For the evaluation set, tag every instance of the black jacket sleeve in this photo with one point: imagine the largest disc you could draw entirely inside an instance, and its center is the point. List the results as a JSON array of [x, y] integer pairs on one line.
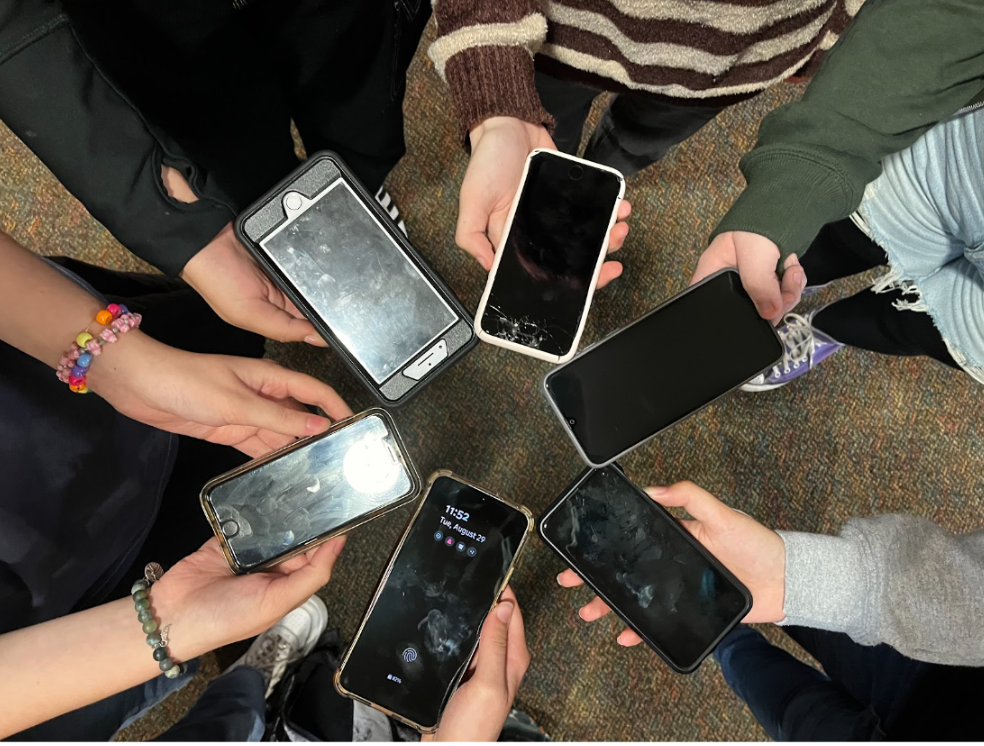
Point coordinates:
[[55, 99]]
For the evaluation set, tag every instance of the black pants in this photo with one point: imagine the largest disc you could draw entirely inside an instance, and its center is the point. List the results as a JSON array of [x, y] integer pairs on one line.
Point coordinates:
[[177, 316], [634, 132], [867, 320], [226, 82], [864, 693]]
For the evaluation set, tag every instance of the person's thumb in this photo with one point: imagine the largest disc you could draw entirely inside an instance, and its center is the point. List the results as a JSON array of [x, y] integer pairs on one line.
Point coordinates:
[[698, 502], [473, 221], [490, 662]]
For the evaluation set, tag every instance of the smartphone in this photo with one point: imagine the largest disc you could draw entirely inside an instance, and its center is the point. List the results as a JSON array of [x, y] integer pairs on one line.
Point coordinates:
[[547, 263], [443, 579], [293, 499], [337, 255], [674, 361], [647, 567]]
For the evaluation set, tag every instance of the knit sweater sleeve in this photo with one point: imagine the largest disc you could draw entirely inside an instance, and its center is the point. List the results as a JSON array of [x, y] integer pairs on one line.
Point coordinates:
[[484, 51], [902, 66], [895, 579]]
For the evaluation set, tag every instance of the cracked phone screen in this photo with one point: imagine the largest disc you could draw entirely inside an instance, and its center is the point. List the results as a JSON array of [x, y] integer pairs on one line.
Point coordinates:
[[420, 634], [548, 260], [318, 488], [359, 281], [649, 568], [652, 572]]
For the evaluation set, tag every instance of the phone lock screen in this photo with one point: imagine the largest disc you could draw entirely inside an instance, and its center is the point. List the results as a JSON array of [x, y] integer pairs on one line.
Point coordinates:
[[423, 625], [645, 566], [548, 260]]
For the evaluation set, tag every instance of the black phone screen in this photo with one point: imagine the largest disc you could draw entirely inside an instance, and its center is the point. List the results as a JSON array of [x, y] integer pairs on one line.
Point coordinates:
[[646, 566], [654, 372], [359, 281], [423, 627], [549, 257]]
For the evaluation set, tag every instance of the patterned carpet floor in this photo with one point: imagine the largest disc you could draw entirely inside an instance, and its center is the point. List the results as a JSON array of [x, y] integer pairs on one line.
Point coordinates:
[[862, 434]]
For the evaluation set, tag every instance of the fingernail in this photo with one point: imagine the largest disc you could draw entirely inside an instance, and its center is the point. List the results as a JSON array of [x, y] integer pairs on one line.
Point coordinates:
[[316, 424], [339, 545], [312, 340], [504, 611], [620, 641], [559, 576], [656, 490], [580, 613]]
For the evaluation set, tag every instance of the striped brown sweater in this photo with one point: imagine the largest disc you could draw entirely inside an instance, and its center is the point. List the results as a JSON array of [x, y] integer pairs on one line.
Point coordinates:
[[709, 52]]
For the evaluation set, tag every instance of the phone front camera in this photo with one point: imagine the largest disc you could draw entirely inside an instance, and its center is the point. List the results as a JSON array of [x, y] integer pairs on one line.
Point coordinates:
[[576, 172], [572, 422]]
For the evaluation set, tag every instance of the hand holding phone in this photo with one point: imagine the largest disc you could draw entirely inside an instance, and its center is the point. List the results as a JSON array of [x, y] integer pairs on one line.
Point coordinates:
[[421, 629], [755, 554], [549, 258], [480, 706], [674, 594]]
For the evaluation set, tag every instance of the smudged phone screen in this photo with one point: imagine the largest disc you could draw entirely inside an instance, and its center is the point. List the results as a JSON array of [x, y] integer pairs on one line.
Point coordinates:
[[548, 260], [322, 486], [420, 633], [648, 568]]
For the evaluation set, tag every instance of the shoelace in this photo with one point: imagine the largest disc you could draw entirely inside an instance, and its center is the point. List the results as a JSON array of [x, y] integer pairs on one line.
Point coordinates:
[[273, 651], [798, 342]]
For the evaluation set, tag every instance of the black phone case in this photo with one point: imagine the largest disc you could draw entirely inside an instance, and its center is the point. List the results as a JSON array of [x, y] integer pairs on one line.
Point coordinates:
[[267, 213], [571, 489]]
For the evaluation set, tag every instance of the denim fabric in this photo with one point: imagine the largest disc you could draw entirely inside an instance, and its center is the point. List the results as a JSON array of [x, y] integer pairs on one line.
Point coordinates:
[[926, 211]]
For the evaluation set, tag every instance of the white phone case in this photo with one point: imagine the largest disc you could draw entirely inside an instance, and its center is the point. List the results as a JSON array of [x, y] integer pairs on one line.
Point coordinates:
[[498, 256]]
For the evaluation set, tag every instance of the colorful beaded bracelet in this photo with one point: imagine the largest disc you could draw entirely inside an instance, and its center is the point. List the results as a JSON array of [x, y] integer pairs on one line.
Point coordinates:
[[74, 364], [156, 637]]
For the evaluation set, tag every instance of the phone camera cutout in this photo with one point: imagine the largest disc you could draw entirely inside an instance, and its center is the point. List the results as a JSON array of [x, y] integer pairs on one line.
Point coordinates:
[[576, 173], [572, 422], [230, 529]]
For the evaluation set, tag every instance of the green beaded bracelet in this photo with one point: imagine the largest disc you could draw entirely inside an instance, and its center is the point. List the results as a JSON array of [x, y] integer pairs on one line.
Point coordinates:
[[156, 637]]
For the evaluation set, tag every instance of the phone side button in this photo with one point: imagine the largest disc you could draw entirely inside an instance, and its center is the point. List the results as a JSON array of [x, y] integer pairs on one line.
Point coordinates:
[[426, 362]]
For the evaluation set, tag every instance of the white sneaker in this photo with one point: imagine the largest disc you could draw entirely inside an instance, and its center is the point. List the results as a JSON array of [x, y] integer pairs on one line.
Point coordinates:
[[288, 641], [385, 199]]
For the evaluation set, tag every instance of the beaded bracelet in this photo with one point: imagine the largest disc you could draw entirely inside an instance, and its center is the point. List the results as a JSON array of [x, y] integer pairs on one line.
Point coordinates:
[[156, 639], [74, 364]]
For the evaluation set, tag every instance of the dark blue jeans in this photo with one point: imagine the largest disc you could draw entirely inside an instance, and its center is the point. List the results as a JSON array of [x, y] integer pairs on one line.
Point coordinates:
[[232, 708], [857, 697]]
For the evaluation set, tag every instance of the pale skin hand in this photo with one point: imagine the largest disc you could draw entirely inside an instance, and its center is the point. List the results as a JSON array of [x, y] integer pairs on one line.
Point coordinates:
[[225, 275], [500, 146], [254, 405], [755, 257], [755, 554], [205, 605], [479, 707]]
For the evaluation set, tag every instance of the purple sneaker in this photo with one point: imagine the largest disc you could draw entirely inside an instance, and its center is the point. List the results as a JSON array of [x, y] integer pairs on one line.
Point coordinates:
[[805, 347]]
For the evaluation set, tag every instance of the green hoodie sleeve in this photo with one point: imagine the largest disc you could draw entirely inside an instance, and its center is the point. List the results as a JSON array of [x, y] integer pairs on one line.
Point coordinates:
[[902, 66]]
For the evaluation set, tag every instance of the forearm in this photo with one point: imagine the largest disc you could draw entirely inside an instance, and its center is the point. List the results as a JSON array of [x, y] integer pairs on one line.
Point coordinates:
[[96, 143], [894, 579], [58, 666], [901, 67], [484, 51], [42, 310]]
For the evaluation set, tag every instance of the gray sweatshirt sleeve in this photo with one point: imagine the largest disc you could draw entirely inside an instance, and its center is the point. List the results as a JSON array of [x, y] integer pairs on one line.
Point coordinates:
[[896, 579]]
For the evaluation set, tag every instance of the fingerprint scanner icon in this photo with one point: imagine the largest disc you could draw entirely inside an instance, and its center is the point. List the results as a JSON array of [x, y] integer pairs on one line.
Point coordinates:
[[409, 655]]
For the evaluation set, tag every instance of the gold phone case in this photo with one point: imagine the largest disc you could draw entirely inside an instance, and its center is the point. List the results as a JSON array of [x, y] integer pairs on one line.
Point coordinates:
[[411, 494], [382, 583]]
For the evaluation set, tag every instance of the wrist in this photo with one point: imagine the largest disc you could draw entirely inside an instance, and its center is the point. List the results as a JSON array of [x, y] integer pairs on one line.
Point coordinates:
[[205, 260], [530, 132], [121, 361]]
